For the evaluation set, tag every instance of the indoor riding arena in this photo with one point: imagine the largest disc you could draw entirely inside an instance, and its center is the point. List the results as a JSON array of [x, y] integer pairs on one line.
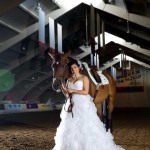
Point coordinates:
[[30, 131], [110, 40]]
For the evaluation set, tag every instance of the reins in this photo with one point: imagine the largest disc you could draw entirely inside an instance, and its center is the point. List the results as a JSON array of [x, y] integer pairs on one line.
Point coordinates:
[[68, 99], [69, 110]]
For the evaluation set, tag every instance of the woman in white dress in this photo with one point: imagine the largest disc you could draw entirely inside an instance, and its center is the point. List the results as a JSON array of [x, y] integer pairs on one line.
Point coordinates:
[[81, 129]]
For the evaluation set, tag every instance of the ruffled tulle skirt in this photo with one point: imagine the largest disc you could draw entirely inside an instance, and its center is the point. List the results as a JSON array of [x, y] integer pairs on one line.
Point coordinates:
[[83, 131]]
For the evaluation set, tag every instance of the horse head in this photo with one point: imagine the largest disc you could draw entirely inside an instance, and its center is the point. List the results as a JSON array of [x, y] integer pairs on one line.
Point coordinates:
[[60, 69]]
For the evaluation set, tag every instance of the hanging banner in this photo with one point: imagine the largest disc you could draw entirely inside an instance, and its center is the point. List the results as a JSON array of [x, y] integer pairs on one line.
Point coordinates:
[[42, 45], [51, 35], [32, 106], [59, 37], [2, 107], [131, 82]]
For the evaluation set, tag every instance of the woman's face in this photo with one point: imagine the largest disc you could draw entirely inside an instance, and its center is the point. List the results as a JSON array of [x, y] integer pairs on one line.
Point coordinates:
[[74, 69]]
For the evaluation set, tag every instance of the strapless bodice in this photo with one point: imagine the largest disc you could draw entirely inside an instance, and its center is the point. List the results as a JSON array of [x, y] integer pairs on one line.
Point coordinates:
[[78, 85]]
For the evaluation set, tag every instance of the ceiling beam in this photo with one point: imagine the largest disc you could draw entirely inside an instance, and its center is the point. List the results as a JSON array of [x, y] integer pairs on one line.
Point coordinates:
[[119, 9], [6, 5], [34, 27], [116, 9], [109, 64], [9, 26], [15, 63], [24, 33], [21, 6], [117, 59], [112, 38], [133, 60]]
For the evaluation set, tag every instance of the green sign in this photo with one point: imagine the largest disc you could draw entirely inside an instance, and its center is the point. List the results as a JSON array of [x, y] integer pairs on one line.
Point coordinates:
[[7, 80]]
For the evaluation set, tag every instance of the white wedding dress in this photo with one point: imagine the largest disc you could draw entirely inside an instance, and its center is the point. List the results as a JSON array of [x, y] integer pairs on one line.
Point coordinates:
[[83, 131]]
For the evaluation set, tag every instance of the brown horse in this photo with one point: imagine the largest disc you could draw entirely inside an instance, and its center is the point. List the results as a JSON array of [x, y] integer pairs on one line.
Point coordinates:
[[61, 73]]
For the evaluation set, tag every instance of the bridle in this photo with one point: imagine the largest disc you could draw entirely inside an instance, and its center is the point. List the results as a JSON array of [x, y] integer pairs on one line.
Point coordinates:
[[53, 77], [62, 81], [55, 66]]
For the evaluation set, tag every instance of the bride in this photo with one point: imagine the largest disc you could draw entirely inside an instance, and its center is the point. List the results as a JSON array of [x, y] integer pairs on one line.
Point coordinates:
[[81, 129]]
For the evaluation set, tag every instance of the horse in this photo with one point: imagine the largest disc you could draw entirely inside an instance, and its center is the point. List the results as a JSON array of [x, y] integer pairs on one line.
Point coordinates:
[[99, 92]]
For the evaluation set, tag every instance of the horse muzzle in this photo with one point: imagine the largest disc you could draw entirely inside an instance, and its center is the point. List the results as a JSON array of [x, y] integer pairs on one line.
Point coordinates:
[[56, 84]]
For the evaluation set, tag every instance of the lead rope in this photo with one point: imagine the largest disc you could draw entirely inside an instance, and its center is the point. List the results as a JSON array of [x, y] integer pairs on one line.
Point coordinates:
[[69, 110], [69, 98]]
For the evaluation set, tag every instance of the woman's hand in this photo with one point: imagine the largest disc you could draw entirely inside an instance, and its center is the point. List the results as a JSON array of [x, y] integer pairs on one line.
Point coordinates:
[[64, 90], [70, 90], [64, 87]]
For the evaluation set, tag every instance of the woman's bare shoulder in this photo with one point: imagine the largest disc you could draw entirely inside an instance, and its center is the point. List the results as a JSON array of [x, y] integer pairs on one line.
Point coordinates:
[[85, 77]]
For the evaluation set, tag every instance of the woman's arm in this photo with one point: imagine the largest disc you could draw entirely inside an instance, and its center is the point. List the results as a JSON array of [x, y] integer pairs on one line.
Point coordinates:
[[85, 90]]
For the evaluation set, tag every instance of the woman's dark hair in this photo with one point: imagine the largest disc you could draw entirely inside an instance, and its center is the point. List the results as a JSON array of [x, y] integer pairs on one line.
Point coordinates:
[[72, 63]]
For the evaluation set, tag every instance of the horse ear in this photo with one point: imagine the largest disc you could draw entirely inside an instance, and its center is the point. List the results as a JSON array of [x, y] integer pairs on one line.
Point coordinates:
[[67, 54]]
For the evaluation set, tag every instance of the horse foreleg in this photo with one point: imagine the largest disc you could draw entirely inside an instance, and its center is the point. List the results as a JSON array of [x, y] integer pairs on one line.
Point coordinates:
[[99, 110], [110, 110], [105, 112], [110, 107]]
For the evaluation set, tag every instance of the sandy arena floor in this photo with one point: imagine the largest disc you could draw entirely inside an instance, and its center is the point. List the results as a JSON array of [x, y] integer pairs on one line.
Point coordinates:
[[37, 130]]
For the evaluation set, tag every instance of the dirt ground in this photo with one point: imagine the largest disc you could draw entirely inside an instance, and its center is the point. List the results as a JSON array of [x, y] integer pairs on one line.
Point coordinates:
[[36, 131], [24, 137], [28, 131]]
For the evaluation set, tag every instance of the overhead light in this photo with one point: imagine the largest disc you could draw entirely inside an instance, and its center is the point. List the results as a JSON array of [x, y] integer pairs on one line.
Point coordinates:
[[120, 20], [23, 48], [38, 7], [57, 2], [109, 1]]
